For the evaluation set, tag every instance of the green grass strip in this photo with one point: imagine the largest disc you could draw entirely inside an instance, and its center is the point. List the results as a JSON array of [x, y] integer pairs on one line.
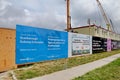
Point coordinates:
[[43, 68], [107, 72]]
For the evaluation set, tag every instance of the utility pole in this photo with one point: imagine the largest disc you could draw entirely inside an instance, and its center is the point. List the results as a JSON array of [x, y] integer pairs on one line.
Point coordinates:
[[89, 26], [68, 15]]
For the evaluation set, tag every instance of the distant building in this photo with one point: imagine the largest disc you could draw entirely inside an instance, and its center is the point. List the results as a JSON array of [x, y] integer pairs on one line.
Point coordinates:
[[96, 31]]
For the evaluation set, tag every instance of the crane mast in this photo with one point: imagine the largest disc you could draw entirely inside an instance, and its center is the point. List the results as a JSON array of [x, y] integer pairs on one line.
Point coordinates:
[[104, 15]]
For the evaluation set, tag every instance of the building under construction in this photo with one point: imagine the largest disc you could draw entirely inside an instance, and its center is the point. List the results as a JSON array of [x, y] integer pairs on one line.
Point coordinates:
[[97, 31], [94, 30]]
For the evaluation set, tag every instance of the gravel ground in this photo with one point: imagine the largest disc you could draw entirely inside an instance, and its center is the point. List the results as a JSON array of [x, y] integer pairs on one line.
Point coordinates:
[[5, 76]]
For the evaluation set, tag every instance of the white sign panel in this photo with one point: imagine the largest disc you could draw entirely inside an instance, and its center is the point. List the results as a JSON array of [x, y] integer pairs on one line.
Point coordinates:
[[79, 44]]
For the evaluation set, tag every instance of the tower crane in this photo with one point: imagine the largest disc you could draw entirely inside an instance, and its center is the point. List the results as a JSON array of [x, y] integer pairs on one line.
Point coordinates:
[[109, 27]]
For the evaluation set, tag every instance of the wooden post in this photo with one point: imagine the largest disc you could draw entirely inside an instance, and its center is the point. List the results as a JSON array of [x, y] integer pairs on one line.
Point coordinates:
[[68, 15], [89, 26]]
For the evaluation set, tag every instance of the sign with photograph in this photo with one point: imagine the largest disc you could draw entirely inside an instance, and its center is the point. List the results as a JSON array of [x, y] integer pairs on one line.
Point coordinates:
[[80, 44]]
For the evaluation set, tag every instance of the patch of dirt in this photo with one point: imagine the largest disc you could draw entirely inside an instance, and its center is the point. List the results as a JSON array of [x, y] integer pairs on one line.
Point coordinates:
[[5, 76]]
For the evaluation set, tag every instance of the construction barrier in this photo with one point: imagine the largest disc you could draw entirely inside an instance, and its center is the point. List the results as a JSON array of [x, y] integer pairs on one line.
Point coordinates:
[[38, 44], [7, 49], [27, 45]]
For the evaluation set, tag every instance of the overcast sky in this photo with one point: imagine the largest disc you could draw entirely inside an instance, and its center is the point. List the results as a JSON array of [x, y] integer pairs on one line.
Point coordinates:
[[52, 13]]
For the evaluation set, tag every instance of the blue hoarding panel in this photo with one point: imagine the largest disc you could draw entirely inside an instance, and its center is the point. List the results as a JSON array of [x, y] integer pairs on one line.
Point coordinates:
[[38, 44]]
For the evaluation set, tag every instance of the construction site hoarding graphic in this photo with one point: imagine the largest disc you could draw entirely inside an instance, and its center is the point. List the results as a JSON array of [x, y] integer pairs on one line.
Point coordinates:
[[118, 44], [81, 44], [38, 44], [99, 44], [115, 44], [108, 44]]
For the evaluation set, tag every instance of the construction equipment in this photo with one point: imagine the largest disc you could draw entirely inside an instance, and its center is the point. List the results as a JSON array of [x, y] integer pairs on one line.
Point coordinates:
[[108, 24]]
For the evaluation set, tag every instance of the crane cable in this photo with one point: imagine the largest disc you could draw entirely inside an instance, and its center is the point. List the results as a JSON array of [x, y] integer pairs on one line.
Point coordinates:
[[99, 15], [109, 18]]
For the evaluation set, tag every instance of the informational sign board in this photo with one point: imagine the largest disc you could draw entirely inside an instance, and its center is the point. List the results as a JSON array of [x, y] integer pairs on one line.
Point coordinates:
[[105, 44], [80, 44], [99, 44], [38, 44]]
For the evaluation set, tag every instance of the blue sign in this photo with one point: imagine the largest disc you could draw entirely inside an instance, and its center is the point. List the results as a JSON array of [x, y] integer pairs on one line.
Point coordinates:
[[38, 44]]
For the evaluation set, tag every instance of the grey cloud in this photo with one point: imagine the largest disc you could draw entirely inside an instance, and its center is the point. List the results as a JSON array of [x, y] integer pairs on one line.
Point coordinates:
[[17, 15], [13, 12], [81, 11], [52, 13]]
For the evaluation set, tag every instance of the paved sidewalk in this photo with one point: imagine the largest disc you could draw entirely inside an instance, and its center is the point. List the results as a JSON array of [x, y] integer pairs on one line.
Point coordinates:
[[3, 75], [71, 73]]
